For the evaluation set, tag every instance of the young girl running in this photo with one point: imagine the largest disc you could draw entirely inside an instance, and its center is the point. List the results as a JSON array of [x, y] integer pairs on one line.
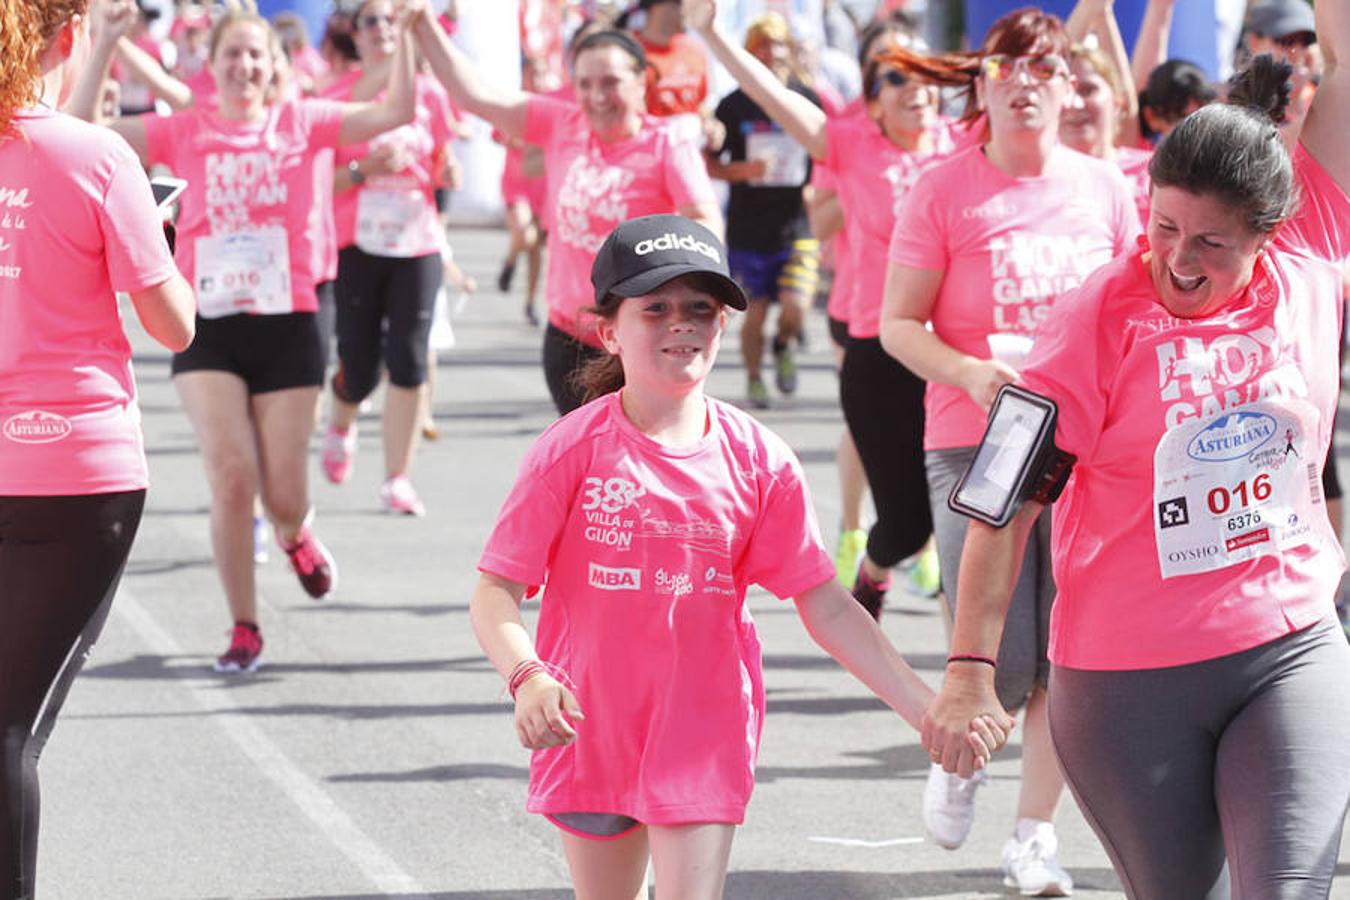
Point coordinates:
[[649, 512]]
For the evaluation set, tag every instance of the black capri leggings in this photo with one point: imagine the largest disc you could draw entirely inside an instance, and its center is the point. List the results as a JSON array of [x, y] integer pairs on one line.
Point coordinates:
[[383, 304], [883, 406], [564, 358], [60, 561]]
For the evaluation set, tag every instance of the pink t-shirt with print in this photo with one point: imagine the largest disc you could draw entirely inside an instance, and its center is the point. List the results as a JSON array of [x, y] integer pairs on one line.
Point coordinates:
[[249, 202], [1133, 164], [1194, 525], [843, 283], [1008, 248], [594, 186], [396, 212], [873, 176], [647, 552], [77, 222]]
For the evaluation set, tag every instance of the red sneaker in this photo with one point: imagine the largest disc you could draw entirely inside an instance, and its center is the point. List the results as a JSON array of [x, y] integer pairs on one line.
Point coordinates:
[[245, 653], [313, 564]]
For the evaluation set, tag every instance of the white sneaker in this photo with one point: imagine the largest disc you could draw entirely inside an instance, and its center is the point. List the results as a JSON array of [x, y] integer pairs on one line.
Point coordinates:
[[398, 497], [949, 805], [1030, 866]]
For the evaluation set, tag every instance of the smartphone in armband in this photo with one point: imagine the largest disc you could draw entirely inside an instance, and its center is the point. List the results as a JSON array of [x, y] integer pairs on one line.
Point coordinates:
[[1017, 460], [166, 190]]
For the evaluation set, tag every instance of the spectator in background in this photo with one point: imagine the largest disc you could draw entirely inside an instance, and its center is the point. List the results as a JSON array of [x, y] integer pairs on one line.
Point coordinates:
[[677, 69], [309, 66]]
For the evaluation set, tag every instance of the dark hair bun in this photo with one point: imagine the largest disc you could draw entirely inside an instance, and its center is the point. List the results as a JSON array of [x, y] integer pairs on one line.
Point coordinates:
[[1263, 87]]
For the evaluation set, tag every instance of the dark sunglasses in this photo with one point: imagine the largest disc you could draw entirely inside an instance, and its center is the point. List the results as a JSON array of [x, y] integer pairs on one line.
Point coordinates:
[[1299, 40], [371, 21], [891, 77]]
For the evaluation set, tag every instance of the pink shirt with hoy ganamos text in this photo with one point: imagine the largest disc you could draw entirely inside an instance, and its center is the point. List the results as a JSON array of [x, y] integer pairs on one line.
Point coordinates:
[[77, 222], [647, 552], [249, 178], [593, 186], [1194, 525], [1009, 248]]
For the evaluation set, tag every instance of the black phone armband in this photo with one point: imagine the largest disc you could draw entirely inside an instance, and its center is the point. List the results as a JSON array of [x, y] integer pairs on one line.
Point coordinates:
[[1016, 461]]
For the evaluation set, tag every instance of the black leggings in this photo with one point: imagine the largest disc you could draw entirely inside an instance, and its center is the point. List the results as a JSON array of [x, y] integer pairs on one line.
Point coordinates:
[[60, 561], [383, 304], [564, 358], [883, 406]]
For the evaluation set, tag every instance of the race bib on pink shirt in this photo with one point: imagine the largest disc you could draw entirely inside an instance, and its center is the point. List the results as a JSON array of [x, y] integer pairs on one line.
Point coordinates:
[[1237, 485]]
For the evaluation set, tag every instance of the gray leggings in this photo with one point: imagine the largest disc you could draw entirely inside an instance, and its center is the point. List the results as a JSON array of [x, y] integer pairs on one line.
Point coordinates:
[[1022, 664], [1246, 756]]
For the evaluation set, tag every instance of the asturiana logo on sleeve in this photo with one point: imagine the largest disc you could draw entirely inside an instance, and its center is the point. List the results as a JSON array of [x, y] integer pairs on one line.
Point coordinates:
[[36, 427]]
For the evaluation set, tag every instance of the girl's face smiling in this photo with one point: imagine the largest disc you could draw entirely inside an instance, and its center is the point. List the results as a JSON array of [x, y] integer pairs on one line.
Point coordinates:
[[667, 339]]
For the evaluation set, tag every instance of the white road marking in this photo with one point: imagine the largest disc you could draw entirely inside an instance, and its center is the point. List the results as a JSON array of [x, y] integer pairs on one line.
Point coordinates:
[[870, 845], [368, 857]]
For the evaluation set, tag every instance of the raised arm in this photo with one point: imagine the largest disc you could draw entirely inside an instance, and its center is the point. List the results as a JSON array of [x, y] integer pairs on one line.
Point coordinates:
[[111, 23], [363, 121], [148, 70], [990, 563], [795, 114], [1324, 131], [1150, 48], [503, 108]]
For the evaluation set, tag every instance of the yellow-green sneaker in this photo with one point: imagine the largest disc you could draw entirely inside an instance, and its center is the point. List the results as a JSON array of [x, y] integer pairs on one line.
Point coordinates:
[[847, 554], [925, 578]]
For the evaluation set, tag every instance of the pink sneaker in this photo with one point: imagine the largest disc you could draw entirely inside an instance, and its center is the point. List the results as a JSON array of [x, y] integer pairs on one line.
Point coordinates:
[[245, 653], [313, 564], [338, 454], [397, 496]]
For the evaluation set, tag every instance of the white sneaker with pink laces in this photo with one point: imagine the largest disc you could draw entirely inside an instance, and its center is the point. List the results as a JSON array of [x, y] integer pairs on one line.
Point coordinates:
[[398, 497]]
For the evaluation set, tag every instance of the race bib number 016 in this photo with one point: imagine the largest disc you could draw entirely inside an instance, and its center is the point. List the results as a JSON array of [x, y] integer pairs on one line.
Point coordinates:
[[1238, 485], [244, 272]]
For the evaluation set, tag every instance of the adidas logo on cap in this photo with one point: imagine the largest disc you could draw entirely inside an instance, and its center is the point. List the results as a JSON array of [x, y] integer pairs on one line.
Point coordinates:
[[672, 241]]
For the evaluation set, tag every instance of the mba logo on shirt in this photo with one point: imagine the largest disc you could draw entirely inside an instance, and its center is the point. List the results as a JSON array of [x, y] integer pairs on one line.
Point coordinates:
[[608, 579], [36, 427]]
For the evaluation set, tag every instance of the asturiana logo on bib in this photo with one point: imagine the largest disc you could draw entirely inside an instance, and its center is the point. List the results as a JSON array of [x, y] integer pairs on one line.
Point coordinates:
[[36, 427], [1231, 437], [672, 241]]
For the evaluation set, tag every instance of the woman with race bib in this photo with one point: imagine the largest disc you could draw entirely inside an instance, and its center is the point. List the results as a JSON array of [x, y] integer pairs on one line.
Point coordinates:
[[250, 381], [1198, 693], [989, 241], [607, 160], [389, 264]]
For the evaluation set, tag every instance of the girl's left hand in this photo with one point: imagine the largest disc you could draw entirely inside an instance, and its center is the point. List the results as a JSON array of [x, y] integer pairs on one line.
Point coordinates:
[[545, 712]]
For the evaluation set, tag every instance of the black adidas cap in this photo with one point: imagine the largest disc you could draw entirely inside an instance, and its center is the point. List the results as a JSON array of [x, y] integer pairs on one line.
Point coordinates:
[[642, 254]]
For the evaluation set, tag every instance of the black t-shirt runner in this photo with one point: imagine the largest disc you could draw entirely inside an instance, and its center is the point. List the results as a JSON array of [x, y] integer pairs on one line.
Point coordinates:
[[764, 216]]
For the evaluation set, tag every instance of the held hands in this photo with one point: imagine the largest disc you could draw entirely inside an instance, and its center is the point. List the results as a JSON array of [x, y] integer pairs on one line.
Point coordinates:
[[408, 13], [981, 379], [966, 723], [545, 711], [113, 20], [384, 159]]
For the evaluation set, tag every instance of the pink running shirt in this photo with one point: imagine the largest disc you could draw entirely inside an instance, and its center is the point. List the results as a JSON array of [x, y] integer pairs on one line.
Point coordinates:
[[843, 283], [594, 186], [873, 177], [248, 180], [1133, 164], [1008, 247], [397, 209], [1151, 571], [647, 552], [77, 222]]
